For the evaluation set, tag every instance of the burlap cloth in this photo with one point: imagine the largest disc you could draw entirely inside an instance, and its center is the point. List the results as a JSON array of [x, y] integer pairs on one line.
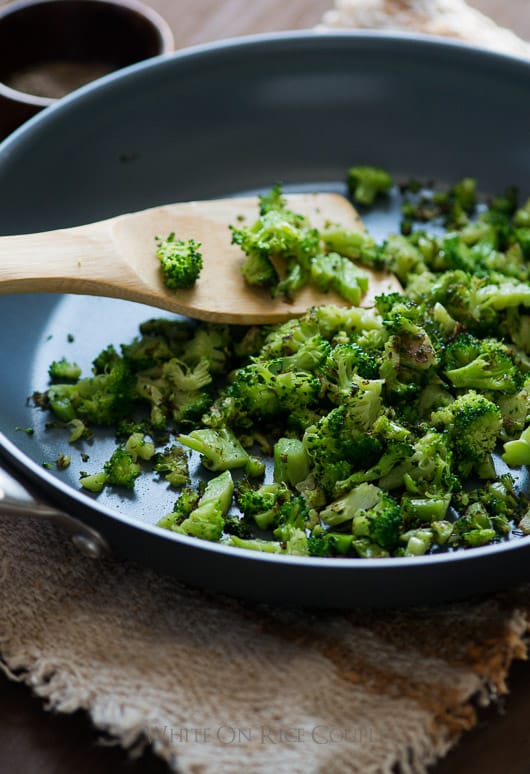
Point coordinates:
[[215, 685]]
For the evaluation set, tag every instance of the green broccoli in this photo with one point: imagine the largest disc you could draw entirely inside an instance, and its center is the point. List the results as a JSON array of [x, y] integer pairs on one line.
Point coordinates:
[[207, 520], [491, 369], [474, 424], [102, 399], [517, 452], [64, 370], [367, 183], [172, 463], [221, 450], [187, 502], [181, 261], [263, 504], [380, 426], [331, 271], [278, 235], [121, 469]]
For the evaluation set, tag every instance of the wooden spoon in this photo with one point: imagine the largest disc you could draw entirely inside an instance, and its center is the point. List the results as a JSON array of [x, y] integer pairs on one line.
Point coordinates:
[[116, 257]]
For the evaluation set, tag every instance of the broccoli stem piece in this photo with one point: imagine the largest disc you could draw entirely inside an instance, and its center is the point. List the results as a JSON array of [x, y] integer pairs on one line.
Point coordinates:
[[425, 509], [518, 452], [94, 483], [362, 498], [207, 520], [291, 461], [256, 544], [418, 541], [220, 450]]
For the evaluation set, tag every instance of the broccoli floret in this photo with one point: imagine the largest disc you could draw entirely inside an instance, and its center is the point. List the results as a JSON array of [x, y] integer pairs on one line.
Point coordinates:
[[492, 368], [474, 527], [474, 424], [220, 450], [258, 270], [331, 271], [367, 183], [187, 502], [210, 343], [64, 370], [281, 235], [260, 390], [395, 454], [356, 245], [139, 447], [308, 357], [103, 399], [515, 410], [263, 504], [429, 468], [180, 260], [381, 523], [461, 351], [206, 521], [172, 463], [121, 469], [341, 442], [345, 362], [177, 390]]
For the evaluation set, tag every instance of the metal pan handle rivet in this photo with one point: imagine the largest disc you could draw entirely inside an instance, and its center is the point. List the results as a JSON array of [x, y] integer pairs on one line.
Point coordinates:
[[91, 546]]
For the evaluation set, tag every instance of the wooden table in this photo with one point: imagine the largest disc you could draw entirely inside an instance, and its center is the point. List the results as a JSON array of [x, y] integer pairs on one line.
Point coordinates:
[[33, 741]]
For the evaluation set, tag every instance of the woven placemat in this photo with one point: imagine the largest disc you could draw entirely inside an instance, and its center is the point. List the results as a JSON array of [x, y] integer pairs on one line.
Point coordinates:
[[216, 685]]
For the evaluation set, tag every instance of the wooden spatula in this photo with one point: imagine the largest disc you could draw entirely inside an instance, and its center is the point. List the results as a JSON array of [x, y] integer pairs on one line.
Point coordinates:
[[116, 257]]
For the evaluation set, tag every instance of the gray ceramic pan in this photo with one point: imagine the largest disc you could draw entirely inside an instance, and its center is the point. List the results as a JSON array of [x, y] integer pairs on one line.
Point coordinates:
[[223, 120]]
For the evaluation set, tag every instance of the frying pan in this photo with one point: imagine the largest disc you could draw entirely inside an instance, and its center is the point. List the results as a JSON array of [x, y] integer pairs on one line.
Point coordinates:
[[227, 119]]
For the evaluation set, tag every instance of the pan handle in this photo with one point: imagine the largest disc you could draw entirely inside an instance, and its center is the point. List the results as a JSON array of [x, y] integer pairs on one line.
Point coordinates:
[[17, 501]]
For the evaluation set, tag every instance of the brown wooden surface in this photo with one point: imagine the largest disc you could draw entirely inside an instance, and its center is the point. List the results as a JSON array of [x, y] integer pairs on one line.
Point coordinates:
[[33, 741]]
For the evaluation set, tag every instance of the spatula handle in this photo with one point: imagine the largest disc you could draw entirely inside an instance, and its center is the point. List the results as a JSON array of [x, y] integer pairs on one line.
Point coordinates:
[[72, 260]]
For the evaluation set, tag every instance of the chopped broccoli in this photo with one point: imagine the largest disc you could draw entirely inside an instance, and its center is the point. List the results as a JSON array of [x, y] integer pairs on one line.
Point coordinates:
[[172, 463], [181, 261], [491, 368], [64, 370], [220, 450], [517, 452], [206, 521], [474, 424], [120, 469], [331, 271], [367, 183], [278, 235], [291, 461], [382, 426]]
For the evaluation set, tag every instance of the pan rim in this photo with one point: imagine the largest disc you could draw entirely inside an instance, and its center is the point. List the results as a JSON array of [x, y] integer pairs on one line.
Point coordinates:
[[219, 47]]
